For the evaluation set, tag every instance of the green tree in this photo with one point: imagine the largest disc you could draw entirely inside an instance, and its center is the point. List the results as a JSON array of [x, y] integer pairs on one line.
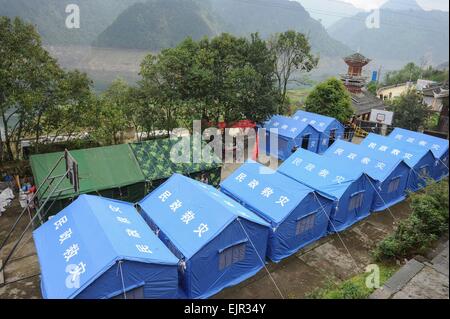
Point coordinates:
[[372, 87], [409, 111], [293, 56], [224, 78], [69, 115], [28, 82], [109, 116], [164, 79], [243, 78], [330, 98], [410, 72], [435, 75], [44, 96], [144, 113], [413, 72]]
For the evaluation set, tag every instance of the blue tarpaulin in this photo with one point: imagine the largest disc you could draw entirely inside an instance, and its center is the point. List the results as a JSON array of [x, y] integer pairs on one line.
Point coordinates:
[[420, 160], [438, 146], [220, 242], [350, 186], [298, 215], [290, 135], [391, 173], [97, 248], [329, 128]]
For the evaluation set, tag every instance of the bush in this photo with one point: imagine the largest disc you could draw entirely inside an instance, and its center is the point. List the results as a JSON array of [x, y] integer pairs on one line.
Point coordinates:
[[428, 221], [439, 191]]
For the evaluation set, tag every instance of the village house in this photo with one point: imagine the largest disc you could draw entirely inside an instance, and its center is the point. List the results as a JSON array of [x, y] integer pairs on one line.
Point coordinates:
[[393, 91], [433, 93]]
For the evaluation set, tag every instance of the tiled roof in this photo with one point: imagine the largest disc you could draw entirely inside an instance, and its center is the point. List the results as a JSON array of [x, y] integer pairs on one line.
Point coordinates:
[[357, 57], [364, 102]]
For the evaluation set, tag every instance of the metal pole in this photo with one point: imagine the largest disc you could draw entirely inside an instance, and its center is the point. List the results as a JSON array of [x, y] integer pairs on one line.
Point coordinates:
[[29, 224], [25, 209]]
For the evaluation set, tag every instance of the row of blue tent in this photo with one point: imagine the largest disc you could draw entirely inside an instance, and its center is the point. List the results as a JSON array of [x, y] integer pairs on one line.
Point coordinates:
[[187, 239], [310, 131]]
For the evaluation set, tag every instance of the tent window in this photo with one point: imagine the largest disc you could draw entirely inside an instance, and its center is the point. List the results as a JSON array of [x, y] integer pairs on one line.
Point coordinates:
[[394, 185], [136, 293], [305, 224], [332, 137], [356, 201], [423, 171], [231, 256], [305, 142]]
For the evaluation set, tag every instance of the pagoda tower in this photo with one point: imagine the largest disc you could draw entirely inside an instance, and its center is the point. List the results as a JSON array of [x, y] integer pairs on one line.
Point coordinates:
[[354, 81]]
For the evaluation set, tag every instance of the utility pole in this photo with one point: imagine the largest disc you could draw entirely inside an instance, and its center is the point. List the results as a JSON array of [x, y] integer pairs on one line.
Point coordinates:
[[379, 75]]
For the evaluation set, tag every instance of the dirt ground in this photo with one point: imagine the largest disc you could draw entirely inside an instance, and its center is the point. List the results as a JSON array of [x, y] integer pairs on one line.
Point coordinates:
[[21, 274], [338, 256]]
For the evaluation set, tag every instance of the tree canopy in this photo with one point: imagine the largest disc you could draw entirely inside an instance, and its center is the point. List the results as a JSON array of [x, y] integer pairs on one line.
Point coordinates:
[[293, 56], [330, 98], [224, 78], [37, 95], [409, 111], [413, 72]]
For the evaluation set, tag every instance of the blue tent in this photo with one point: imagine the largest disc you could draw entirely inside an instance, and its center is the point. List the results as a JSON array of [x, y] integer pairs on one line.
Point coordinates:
[[298, 215], [329, 128], [391, 173], [290, 135], [420, 160], [219, 242], [349, 186], [438, 146], [101, 248]]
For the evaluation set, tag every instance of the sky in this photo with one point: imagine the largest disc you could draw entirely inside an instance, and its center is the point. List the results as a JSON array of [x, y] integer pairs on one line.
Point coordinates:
[[426, 4]]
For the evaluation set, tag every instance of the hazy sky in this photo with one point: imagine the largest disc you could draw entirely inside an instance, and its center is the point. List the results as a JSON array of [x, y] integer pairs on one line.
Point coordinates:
[[426, 4]]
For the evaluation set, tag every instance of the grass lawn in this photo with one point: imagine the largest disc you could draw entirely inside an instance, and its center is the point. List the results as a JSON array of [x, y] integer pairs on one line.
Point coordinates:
[[297, 97], [353, 288], [298, 94]]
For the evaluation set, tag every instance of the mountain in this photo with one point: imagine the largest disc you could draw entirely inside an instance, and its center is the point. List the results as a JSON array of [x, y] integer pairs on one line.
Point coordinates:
[[267, 17], [49, 16], [402, 5], [329, 11], [158, 24], [403, 35]]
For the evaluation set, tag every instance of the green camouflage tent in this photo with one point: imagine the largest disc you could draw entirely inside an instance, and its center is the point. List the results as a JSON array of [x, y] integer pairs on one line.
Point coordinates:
[[154, 159], [110, 171]]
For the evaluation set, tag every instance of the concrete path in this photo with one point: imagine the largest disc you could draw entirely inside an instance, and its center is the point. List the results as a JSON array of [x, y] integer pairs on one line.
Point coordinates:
[[420, 278]]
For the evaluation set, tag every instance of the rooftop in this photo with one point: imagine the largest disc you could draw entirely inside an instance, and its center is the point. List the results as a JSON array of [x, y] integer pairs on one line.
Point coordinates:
[[357, 58], [364, 102]]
